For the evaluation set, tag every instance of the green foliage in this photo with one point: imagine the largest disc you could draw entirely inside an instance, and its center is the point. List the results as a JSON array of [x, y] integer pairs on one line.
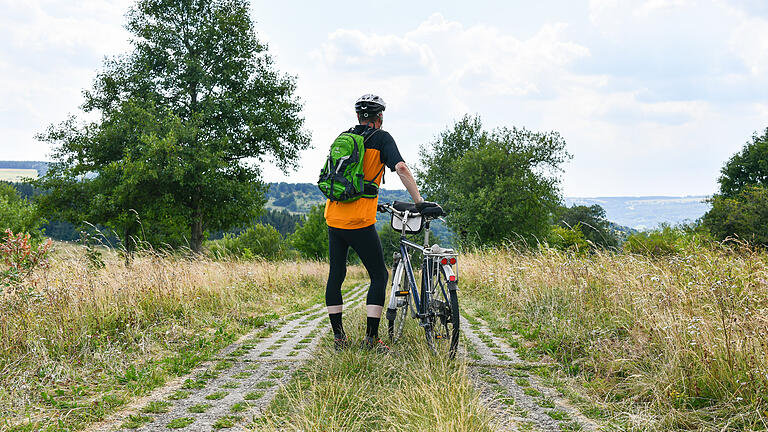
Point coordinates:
[[390, 243], [497, 186], [311, 239], [262, 241], [740, 208], [748, 167], [17, 213], [283, 221], [745, 215], [590, 222], [179, 116], [571, 239], [667, 240]]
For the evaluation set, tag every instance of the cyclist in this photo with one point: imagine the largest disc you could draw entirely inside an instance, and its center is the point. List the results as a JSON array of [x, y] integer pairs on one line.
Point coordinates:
[[353, 224]]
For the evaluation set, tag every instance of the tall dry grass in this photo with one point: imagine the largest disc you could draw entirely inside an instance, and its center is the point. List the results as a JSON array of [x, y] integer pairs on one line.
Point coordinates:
[[677, 343], [86, 332]]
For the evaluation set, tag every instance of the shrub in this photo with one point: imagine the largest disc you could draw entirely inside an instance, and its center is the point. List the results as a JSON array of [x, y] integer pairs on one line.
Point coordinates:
[[18, 214], [261, 241], [571, 239], [663, 241], [20, 258]]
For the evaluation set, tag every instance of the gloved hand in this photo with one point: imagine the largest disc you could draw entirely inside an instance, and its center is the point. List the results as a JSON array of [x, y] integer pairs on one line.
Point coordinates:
[[425, 204]]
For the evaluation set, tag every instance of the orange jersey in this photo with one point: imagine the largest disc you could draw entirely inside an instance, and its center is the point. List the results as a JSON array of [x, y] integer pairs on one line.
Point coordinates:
[[380, 150]]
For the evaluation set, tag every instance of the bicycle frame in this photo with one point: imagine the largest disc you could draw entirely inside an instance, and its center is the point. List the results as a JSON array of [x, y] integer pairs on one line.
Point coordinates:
[[421, 303]]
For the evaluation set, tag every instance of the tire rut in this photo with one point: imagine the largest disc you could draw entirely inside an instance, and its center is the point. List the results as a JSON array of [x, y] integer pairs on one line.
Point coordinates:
[[521, 399], [235, 386]]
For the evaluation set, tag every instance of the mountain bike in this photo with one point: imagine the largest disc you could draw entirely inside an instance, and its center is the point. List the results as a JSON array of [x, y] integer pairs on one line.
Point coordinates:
[[435, 303]]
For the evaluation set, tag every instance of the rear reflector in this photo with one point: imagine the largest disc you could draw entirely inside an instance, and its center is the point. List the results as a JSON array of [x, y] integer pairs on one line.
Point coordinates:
[[452, 261], [452, 278], [444, 261]]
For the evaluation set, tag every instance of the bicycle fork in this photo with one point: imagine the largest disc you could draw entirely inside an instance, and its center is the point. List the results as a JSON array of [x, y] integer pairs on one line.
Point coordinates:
[[398, 293]]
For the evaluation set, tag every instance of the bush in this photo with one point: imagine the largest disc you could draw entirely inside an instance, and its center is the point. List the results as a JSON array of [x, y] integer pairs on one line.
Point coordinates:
[[261, 241], [570, 239], [663, 241], [17, 214], [20, 258]]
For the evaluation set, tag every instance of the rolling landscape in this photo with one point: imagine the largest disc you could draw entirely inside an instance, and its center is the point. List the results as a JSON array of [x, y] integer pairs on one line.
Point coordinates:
[[167, 261], [639, 213]]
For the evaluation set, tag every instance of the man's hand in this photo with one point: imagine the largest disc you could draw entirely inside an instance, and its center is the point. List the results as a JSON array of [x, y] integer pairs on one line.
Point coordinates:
[[408, 181]]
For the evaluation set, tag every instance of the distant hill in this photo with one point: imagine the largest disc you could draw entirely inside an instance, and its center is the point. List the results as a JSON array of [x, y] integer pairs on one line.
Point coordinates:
[[634, 212], [648, 212]]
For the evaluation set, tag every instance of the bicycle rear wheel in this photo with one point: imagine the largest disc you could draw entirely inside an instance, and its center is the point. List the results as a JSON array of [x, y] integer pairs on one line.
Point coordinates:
[[444, 305]]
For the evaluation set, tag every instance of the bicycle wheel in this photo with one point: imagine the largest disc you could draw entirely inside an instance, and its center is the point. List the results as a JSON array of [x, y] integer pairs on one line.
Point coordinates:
[[396, 317], [395, 325], [445, 308]]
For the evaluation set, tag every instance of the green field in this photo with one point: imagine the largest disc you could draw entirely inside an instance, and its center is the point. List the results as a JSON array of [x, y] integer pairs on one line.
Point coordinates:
[[15, 175]]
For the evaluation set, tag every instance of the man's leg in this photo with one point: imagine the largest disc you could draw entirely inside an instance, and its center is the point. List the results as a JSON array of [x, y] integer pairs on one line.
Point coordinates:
[[365, 241], [337, 254]]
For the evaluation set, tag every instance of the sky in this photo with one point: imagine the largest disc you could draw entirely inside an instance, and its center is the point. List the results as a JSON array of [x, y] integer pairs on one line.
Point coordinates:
[[651, 96]]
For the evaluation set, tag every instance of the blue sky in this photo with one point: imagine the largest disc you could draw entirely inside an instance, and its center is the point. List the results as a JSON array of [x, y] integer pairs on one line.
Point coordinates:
[[652, 96]]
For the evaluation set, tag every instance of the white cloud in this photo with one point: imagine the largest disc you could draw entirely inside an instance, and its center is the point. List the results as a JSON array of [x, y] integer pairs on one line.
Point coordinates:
[[750, 41]]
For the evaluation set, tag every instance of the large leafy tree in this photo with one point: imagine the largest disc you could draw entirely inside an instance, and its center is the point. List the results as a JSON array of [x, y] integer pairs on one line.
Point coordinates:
[[740, 208], [182, 119], [747, 167], [499, 185]]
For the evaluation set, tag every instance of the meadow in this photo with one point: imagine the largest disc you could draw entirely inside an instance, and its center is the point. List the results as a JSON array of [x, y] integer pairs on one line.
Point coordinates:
[[88, 334], [659, 344], [648, 344]]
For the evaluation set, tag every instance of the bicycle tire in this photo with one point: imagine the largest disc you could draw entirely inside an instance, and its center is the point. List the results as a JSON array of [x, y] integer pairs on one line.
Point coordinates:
[[453, 300], [395, 326], [446, 323]]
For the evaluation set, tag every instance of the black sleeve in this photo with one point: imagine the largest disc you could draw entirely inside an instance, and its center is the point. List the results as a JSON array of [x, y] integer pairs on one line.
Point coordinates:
[[390, 155]]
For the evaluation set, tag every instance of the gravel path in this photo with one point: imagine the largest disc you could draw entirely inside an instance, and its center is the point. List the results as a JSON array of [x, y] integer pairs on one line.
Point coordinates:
[[521, 399], [237, 385]]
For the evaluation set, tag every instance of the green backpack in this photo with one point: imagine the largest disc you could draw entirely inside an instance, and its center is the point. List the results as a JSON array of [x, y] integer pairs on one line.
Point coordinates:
[[341, 178]]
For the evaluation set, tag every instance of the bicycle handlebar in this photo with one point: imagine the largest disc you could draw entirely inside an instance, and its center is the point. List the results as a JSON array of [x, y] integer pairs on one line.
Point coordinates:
[[431, 210]]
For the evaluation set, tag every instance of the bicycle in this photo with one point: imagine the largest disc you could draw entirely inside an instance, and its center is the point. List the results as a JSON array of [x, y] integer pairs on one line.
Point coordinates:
[[435, 304]]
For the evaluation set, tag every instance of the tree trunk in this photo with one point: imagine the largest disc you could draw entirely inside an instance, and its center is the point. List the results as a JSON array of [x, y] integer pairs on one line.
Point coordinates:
[[130, 245], [197, 232]]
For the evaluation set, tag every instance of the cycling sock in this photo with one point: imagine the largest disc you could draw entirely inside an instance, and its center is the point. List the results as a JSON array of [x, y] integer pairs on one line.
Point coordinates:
[[338, 329], [372, 327]]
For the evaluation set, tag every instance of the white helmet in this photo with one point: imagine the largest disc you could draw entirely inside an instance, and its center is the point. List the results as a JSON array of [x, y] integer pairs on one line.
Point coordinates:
[[370, 104]]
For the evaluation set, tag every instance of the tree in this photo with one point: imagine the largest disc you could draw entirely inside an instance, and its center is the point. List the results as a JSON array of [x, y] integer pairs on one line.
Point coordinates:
[[747, 167], [744, 215], [590, 221], [179, 117], [739, 209], [496, 186], [311, 239]]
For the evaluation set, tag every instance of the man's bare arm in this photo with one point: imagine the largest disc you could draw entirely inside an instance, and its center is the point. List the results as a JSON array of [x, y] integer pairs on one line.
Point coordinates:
[[410, 184]]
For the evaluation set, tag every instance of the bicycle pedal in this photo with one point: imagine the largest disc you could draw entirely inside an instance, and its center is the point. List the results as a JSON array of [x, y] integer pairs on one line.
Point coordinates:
[[401, 293]]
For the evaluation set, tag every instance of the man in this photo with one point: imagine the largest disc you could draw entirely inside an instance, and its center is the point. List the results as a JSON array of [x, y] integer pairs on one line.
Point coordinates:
[[353, 223]]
